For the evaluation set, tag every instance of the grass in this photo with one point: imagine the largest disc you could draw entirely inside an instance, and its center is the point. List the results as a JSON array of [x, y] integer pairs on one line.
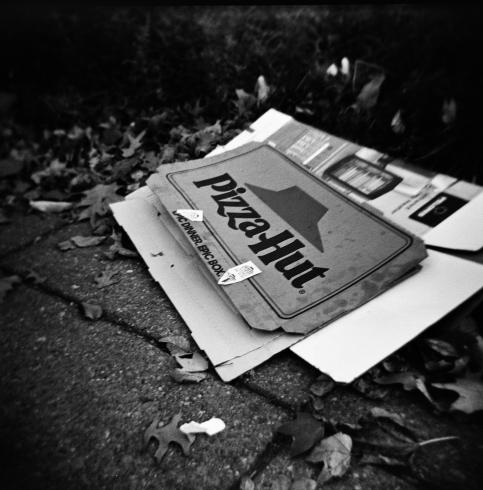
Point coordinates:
[[81, 65]]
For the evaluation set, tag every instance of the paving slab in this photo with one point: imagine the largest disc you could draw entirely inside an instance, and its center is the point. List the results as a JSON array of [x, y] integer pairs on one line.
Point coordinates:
[[136, 298], [76, 397], [25, 228]]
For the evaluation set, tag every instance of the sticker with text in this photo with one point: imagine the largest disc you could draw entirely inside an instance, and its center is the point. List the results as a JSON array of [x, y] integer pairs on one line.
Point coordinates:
[[191, 214], [239, 273]]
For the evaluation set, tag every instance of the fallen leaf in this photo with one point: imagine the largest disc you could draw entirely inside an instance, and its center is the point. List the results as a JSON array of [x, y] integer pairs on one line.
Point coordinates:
[[304, 483], [9, 167], [66, 245], [369, 94], [305, 432], [397, 123], [335, 453], [96, 201], [409, 381], [368, 389], [7, 284], [381, 460], [470, 391], [194, 364], [134, 144], [105, 278], [382, 413], [322, 385], [165, 435], [92, 311], [50, 206], [118, 249], [87, 241], [245, 101], [176, 344], [442, 347], [182, 376]]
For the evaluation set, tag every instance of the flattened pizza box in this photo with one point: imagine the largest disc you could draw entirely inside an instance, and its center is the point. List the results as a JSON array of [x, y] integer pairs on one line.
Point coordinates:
[[362, 337], [318, 253]]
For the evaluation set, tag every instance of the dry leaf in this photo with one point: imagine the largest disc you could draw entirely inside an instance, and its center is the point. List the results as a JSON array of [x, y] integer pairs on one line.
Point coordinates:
[[409, 380], [381, 460], [118, 249], [7, 284], [182, 376], [442, 347], [382, 413], [470, 391], [176, 344], [92, 311], [134, 144], [65, 245], [305, 431], [397, 123], [50, 206], [96, 201], [335, 453], [194, 364], [105, 278], [322, 385], [369, 94], [87, 241], [165, 435]]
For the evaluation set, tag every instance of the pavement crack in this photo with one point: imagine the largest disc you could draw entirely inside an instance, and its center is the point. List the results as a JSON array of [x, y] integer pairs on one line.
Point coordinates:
[[107, 316], [267, 394]]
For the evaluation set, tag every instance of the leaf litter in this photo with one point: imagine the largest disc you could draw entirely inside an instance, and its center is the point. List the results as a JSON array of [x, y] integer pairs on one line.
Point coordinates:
[[305, 431]]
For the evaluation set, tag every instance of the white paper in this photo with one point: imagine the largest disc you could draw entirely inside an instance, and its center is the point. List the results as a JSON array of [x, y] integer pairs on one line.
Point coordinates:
[[239, 273], [191, 214], [360, 339], [210, 427]]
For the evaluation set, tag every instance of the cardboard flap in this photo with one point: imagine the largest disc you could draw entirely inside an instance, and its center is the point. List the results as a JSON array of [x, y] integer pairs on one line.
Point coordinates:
[[231, 345], [463, 230], [354, 343]]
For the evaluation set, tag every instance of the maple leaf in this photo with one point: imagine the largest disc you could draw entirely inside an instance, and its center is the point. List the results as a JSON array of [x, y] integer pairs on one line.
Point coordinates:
[[6, 284], [134, 144], [105, 278], [335, 453], [97, 200], [165, 435], [470, 391], [305, 431]]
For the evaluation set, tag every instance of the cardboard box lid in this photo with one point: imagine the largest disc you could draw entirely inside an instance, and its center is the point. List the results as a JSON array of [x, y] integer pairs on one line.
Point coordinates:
[[320, 253]]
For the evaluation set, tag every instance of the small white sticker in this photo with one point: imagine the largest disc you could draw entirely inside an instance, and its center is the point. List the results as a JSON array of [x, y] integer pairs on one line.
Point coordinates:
[[191, 214], [239, 273]]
